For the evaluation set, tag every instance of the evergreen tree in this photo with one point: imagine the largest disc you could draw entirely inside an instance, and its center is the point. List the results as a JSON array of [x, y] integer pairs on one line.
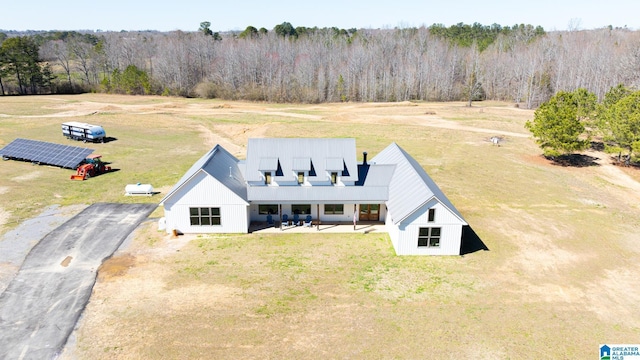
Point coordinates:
[[558, 124]]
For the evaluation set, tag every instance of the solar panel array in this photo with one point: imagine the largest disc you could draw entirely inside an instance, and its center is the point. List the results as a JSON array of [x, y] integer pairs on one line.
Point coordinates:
[[45, 153]]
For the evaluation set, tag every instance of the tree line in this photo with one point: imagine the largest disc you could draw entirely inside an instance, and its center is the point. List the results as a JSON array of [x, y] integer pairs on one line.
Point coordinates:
[[522, 64]]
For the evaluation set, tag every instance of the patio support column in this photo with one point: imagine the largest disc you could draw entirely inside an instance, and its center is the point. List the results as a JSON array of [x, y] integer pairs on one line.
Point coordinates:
[[318, 207], [280, 215], [355, 214]]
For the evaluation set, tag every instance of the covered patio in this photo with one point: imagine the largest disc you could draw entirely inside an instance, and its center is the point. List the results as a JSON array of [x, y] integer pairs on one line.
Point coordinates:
[[328, 227]]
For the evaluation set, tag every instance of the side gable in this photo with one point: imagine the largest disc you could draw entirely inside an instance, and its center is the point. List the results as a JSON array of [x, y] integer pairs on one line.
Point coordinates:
[[219, 164], [411, 187]]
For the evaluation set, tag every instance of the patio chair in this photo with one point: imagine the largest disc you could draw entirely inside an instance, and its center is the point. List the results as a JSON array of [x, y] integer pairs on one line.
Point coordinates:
[[285, 219], [270, 219], [307, 221], [296, 219]]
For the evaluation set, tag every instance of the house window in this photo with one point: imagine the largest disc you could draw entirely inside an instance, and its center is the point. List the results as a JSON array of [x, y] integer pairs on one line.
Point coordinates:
[[267, 209], [301, 209], [300, 177], [429, 237], [334, 209], [334, 177], [204, 216], [432, 215], [267, 178]]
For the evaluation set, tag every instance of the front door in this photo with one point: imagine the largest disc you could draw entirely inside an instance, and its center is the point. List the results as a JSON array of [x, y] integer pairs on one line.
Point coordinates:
[[369, 212]]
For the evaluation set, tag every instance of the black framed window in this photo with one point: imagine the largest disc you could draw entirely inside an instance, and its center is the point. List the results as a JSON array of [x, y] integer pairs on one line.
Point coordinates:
[[267, 178], [300, 177], [432, 215], [334, 209], [205, 216], [301, 209], [429, 237], [265, 209], [334, 177]]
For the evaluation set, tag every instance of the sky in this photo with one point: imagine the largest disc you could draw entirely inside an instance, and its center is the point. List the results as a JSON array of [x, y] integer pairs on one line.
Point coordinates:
[[226, 15]]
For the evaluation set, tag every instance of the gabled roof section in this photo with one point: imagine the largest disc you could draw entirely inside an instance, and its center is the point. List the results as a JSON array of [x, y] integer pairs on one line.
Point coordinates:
[[411, 187], [221, 165], [297, 154]]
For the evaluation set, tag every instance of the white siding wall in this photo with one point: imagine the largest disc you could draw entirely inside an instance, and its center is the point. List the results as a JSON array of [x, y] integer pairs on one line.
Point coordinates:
[[393, 230], [449, 241], [404, 236], [205, 191]]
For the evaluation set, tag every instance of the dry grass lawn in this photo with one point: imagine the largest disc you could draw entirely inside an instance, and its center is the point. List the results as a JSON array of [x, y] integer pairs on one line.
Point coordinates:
[[560, 276]]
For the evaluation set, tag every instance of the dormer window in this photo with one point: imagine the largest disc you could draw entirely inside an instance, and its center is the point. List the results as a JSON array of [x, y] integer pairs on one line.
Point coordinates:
[[334, 177], [267, 177], [300, 177]]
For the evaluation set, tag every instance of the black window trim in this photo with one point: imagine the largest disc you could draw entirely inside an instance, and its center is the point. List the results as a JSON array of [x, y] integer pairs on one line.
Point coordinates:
[[427, 239], [333, 210], [214, 212]]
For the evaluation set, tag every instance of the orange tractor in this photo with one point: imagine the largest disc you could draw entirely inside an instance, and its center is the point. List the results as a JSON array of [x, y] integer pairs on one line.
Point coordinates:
[[91, 166]]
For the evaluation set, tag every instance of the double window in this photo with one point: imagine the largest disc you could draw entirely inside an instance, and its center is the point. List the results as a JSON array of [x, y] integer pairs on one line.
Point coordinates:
[[205, 216], [429, 237], [334, 209]]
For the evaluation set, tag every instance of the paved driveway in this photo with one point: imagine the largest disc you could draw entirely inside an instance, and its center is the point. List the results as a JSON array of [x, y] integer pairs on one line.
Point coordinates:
[[41, 305]]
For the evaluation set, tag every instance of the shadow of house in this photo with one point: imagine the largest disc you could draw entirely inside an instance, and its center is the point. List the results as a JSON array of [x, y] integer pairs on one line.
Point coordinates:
[[471, 242]]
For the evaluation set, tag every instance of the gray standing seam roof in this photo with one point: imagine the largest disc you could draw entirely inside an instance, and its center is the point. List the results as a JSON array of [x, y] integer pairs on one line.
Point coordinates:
[[221, 165], [375, 189], [411, 187], [293, 153]]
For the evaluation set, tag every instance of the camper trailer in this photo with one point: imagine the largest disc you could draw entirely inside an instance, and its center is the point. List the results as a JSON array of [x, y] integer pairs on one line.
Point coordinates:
[[81, 131]]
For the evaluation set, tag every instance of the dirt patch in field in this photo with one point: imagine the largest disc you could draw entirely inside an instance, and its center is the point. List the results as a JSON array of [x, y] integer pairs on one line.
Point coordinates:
[[116, 266], [28, 176]]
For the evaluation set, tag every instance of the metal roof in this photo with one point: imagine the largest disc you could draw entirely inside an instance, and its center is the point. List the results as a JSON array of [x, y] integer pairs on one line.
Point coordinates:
[[411, 187], [221, 165], [374, 189], [268, 164], [301, 164], [334, 164], [292, 152], [318, 194]]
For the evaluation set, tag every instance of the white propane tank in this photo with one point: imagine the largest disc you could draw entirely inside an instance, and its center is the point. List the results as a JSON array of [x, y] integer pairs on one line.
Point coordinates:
[[138, 189]]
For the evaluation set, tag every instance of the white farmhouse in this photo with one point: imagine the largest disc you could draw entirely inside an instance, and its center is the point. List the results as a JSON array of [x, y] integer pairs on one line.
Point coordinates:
[[301, 179]]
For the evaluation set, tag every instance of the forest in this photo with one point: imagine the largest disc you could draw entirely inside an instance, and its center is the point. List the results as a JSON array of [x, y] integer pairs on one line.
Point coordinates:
[[521, 64]]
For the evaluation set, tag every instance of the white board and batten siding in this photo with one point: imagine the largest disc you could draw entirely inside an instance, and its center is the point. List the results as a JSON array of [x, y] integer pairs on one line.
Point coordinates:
[[206, 191], [404, 235]]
